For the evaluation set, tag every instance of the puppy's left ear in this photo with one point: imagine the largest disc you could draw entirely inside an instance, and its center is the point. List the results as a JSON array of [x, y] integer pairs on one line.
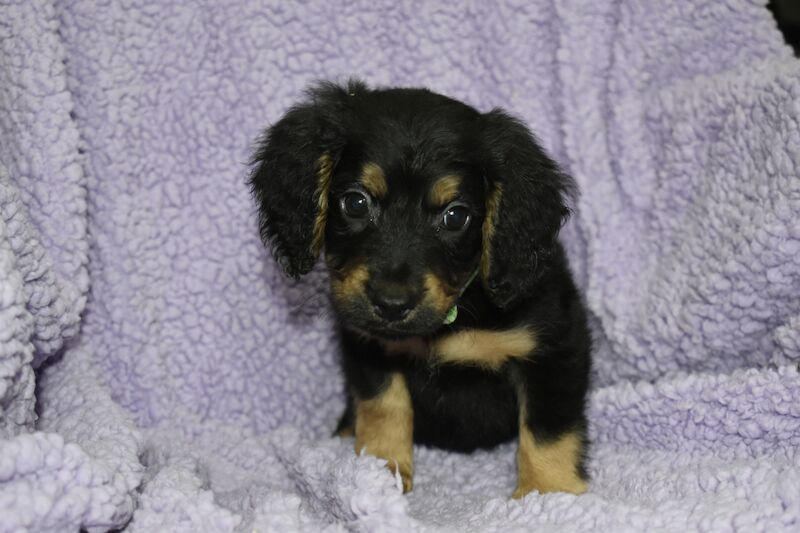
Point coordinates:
[[525, 208]]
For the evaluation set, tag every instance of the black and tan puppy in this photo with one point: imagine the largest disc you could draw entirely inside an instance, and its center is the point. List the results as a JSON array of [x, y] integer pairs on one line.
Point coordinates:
[[460, 324]]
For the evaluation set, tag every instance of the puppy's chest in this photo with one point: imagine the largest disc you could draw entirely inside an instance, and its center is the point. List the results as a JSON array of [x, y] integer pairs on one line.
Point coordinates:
[[484, 348]]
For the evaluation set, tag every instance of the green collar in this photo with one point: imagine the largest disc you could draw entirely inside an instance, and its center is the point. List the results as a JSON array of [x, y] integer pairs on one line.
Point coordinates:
[[452, 314]]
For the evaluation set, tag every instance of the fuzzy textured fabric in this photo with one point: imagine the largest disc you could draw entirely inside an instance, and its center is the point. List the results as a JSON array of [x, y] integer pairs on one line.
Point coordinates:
[[158, 372]]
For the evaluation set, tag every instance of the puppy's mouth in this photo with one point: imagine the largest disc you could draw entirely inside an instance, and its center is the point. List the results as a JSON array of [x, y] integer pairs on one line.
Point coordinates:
[[392, 334], [397, 331], [421, 322], [392, 312]]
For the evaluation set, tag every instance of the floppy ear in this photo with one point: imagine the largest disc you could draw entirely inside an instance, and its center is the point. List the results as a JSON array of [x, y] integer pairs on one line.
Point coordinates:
[[292, 172], [525, 208]]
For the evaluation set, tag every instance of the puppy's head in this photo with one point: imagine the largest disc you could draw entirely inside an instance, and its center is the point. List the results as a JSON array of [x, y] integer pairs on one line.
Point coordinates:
[[409, 194]]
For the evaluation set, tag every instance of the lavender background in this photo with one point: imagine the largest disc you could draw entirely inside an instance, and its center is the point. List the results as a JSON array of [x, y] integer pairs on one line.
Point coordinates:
[[202, 386]]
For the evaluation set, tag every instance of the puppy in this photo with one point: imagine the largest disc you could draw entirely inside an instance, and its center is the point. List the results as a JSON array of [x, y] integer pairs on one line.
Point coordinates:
[[460, 324]]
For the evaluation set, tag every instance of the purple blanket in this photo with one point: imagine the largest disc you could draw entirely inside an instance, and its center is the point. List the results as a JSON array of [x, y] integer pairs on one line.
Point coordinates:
[[158, 372]]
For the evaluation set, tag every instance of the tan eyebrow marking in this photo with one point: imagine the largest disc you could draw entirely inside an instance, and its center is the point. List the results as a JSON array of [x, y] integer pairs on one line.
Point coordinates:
[[373, 179], [445, 190]]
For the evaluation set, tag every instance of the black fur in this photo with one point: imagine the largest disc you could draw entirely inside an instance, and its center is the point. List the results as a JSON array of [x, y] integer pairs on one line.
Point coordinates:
[[416, 137], [285, 180], [532, 208]]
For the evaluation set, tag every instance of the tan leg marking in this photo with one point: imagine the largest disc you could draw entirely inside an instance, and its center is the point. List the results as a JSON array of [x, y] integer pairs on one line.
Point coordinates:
[[373, 179], [385, 426], [324, 173], [346, 431], [548, 467], [486, 348]]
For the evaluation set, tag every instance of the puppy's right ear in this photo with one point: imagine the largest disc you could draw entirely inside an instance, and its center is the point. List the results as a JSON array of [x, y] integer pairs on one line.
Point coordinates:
[[292, 171]]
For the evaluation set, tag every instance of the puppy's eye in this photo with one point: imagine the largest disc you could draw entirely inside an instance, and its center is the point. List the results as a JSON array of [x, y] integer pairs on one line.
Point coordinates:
[[355, 204], [455, 217]]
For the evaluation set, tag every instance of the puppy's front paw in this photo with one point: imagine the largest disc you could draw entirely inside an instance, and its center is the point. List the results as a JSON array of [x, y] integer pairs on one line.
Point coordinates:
[[521, 492], [549, 467], [406, 474], [384, 428], [573, 486], [345, 432]]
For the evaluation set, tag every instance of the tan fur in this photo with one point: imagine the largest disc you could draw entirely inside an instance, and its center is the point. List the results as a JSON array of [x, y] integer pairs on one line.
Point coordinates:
[[492, 209], [349, 284], [324, 173], [486, 348], [346, 431], [373, 179], [445, 190], [385, 426], [547, 467], [438, 294]]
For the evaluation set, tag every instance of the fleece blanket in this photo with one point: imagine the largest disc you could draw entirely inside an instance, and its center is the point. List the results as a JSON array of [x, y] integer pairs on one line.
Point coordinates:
[[158, 372]]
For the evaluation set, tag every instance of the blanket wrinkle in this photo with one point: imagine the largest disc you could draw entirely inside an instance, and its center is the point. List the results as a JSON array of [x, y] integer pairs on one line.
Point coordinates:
[[158, 372]]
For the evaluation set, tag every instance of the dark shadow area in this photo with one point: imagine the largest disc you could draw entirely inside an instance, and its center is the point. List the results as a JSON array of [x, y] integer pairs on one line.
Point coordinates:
[[787, 14]]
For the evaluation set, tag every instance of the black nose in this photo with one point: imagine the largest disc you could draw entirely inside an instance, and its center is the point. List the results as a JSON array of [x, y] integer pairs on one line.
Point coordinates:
[[390, 300], [392, 307]]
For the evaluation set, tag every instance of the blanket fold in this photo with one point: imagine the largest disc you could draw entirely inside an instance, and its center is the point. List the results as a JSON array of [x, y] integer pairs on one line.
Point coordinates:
[[158, 372]]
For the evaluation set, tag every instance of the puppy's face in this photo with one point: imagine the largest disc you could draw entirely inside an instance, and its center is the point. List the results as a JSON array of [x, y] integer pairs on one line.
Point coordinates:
[[409, 194], [404, 229]]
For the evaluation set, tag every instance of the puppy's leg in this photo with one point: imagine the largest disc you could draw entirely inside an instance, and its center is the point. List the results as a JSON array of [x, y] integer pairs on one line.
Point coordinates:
[[384, 427], [549, 465], [552, 427]]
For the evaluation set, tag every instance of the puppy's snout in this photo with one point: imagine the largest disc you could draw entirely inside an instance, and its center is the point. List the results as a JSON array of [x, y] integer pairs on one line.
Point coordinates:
[[392, 308], [392, 302]]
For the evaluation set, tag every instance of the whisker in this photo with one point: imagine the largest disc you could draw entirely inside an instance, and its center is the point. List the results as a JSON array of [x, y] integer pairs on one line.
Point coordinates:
[[471, 312]]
